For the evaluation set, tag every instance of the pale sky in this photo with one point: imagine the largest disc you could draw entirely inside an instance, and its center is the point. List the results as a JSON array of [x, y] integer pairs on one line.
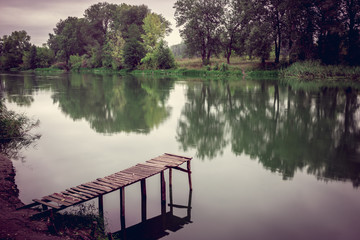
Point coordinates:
[[39, 17]]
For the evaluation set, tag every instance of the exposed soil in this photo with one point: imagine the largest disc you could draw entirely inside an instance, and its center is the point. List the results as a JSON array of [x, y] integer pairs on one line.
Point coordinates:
[[16, 224]]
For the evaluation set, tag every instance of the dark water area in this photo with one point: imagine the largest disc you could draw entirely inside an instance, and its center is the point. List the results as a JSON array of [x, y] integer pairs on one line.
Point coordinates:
[[269, 161]]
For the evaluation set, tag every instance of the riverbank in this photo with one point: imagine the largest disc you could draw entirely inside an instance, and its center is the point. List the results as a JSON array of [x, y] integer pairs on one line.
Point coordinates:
[[17, 224]]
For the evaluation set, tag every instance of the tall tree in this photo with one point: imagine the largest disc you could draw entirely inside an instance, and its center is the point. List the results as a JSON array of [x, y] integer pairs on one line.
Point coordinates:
[[155, 28], [13, 48], [201, 22], [237, 15], [70, 38]]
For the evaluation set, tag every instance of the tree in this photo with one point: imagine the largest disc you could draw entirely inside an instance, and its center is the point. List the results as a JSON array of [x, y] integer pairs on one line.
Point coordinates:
[[13, 48], [133, 50], [160, 58], [100, 17], [155, 28], [201, 21], [69, 38], [258, 42], [30, 58], [238, 14]]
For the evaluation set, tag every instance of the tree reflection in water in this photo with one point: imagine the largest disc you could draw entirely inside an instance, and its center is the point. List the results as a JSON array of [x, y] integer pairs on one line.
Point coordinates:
[[286, 130]]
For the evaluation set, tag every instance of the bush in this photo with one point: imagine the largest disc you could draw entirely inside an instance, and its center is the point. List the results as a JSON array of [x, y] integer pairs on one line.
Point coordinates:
[[75, 62], [224, 67]]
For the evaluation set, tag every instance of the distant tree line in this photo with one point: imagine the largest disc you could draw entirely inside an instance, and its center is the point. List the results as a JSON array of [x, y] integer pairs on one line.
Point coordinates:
[[109, 35], [296, 30]]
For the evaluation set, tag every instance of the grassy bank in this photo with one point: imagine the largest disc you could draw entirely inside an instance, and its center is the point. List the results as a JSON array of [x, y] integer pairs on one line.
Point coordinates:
[[315, 71]]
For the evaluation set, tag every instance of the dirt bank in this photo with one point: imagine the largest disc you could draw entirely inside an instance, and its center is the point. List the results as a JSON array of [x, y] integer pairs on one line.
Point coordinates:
[[16, 224]]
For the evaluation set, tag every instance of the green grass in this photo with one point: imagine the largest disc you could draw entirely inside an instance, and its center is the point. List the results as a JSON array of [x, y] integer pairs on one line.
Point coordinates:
[[315, 71]]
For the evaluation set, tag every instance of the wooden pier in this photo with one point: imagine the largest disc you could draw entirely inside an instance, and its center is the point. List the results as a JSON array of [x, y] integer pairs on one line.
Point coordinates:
[[117, 181]]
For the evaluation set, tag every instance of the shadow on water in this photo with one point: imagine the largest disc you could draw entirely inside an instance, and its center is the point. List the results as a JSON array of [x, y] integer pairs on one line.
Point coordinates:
[[159, 226]]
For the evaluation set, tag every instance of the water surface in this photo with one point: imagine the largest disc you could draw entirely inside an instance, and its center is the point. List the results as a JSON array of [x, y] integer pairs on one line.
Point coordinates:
[[270, 162]]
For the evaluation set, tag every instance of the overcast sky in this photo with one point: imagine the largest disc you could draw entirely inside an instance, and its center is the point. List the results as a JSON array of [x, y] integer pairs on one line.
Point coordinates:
[[39, 17]]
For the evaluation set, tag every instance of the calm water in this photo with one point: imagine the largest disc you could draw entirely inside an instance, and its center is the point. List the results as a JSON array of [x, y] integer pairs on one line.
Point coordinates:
[[269, 162]]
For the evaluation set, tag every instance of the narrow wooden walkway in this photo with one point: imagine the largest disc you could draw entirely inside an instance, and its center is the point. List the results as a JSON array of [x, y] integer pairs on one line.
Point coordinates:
[[101, 186]]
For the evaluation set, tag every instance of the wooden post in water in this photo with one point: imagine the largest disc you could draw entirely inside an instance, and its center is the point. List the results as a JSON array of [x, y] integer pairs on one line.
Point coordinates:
[[163, 193], [101, 206], [170, 191], [143, 200], [189, 174], [122, 208]]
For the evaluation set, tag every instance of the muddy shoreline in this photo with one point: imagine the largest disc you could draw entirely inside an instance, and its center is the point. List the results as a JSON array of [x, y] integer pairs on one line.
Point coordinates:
[[16, 224]]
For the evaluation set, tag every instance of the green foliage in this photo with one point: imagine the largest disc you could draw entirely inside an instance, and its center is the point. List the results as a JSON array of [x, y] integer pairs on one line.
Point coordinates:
[[12, 49], [75, 62], [223, 67], [160, 58], [314, 70], [201, 22], [133, 53], [155, 28]]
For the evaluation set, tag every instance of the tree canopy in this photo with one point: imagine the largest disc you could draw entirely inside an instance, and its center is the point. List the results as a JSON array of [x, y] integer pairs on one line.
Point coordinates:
[[328, 30]]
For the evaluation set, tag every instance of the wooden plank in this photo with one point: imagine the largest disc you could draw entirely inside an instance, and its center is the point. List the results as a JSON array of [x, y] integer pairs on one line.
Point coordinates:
[[149, 169], [135, 171], [98, 186], [67, 198], [129, 176], [170, 154], [173, 159], [144, 172], [85, 191], [153, 165], [75, 195], [95, 188], [168, 161], [158, 163], [46, 203], [98, 192], [134, 177], [52, 199], [110, 182], [117, 180], [105, 184], [77, 192], [122, 177]]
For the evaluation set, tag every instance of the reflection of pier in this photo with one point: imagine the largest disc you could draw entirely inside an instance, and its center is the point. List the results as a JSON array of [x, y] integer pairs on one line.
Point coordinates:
[[117, 181], [157, 227]]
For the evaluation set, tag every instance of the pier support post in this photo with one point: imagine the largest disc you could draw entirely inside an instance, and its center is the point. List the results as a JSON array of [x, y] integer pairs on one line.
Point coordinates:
[[163, 193], [189, 174], [122, 208], [101, 206], [143, 200], [170, 191]]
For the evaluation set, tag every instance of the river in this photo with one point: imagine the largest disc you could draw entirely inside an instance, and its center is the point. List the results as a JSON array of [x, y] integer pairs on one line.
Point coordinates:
[[269, 161]]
